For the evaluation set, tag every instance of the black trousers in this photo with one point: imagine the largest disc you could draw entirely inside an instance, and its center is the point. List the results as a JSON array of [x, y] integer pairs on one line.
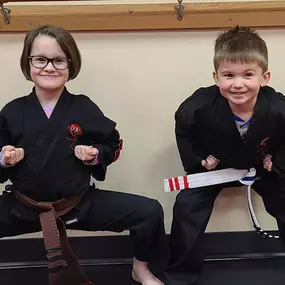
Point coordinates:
[[99, 210], [191, 213]]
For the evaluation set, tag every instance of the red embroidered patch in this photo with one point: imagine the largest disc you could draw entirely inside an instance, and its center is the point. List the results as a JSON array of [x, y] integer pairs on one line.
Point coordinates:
[[74, 130], [118, 151], [262, 146]]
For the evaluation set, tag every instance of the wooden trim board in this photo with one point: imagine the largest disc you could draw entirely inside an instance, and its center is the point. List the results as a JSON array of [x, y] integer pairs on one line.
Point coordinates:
[[156, 16]]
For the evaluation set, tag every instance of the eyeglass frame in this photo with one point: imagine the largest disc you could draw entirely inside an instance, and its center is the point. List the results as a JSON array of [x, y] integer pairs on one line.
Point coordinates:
[[49, 60]]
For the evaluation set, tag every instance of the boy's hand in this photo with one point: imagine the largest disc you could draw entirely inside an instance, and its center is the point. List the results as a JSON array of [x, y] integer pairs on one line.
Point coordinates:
[[210, 162], [12, 155], [267, 162], [85, 153]]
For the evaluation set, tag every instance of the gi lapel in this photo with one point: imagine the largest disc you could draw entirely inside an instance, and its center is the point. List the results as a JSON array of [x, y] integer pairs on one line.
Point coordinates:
[[258, 128], [45, 132]]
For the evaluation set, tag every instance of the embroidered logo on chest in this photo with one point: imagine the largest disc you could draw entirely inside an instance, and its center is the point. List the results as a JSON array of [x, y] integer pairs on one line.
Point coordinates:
[[263, 146], [74, 130]]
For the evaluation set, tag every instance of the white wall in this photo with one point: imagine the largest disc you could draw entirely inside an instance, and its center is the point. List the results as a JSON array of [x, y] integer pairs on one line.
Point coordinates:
[[139, 79]]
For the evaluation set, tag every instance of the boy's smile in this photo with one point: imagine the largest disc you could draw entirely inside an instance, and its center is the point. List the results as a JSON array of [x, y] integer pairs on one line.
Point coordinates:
[[239, 83]]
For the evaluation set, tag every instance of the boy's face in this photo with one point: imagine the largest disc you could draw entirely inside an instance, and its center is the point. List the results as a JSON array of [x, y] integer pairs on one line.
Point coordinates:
[[240, 83]]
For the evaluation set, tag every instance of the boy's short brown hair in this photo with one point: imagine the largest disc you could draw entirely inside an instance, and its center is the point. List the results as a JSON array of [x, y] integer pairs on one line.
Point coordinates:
[[241, 45], [64, 39]]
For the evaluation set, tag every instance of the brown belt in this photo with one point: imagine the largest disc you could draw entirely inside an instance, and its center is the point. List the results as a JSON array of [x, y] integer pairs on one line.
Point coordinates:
[[62, 264]]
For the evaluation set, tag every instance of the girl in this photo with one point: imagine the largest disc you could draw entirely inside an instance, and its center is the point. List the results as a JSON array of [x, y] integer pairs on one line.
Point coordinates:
[[52, 141]]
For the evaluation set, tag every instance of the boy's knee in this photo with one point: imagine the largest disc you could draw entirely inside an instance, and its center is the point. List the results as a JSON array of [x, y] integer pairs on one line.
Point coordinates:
[[182, 202], [186, 205], [179, 209]]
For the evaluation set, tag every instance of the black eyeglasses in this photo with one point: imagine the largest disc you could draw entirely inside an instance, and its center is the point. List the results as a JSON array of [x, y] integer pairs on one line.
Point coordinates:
[[42, 61]]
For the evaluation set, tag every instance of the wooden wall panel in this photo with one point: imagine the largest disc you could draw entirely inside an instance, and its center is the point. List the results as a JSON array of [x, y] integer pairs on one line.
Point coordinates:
[[114, 17]]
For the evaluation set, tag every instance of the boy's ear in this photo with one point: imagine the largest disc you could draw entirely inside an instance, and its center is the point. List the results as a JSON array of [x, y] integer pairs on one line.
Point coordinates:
[[265, 78], [215, 76]]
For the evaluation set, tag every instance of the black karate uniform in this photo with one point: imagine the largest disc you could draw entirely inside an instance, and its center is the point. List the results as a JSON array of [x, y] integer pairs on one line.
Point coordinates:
[[205, 125], [50, 171]]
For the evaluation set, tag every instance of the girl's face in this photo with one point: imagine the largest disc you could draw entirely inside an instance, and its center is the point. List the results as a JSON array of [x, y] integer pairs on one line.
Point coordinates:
[[48, 64]]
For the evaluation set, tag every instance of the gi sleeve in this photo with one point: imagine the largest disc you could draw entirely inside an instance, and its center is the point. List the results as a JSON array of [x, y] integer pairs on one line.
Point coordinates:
[[188, 140], [109, 151], [4, 140], [106, 139], [103, 135], [277, 149]]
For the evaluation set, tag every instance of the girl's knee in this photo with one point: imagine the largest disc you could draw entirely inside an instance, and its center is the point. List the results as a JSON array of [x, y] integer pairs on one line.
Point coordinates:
[[152, 210]]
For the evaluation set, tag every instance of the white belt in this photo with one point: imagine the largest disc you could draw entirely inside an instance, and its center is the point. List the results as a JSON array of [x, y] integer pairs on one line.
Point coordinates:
[[209, 178], [246, 177]]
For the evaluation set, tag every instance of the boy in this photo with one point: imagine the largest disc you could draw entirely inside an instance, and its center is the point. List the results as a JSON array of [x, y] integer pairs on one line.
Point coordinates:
[[238, 123]]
